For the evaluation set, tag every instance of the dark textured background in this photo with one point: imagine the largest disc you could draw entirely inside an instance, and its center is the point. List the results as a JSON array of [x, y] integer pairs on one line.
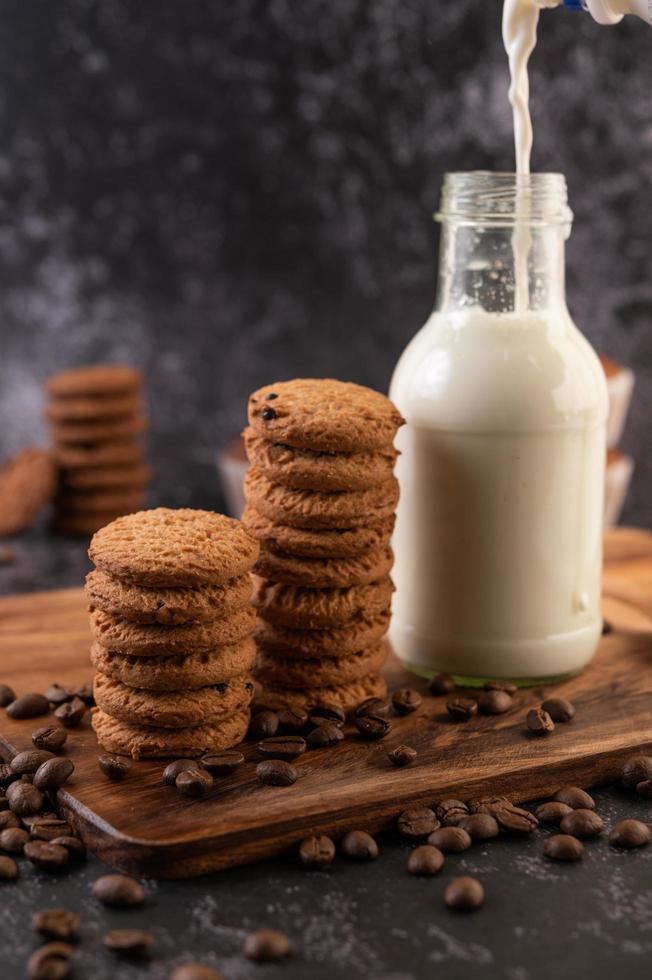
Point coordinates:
[[236, 191]]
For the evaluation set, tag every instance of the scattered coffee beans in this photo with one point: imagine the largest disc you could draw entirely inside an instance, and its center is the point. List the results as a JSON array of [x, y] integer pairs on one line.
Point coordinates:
[[8, 869], [559, 709], [417, 823], [373, 706], [85, 694], [425, 860], [441, 684], [552, 812], [402, 755], [75, 847], [7, 775], [267, 945], [462, 709], [282, 746], [129, 942], [464, 894], [53, 773], [45, 855], [292, 720], [8, 819], [405, 700], [263, 725], [49, 738], [71, 713], [480, 826], [13, 840], [539, 722], [563, 847], [48, 827], [575, 798], [24, 799], [7, 695], [114, 767], [28, 706], [28, 762], [50, 962], [118, 891], [644, 789], [451, 812], [195, 971], [516, 821], [56, 923], [222, 763], [629, 834], [371, 728], [276, 772], [314, 721], [56, 695], [332, 712], [173, 769], [359, 845], [194, 782], [494, 702], [450, 840], [582, 823], [636, 770], [317, 852], [324, 735], [500, 686]]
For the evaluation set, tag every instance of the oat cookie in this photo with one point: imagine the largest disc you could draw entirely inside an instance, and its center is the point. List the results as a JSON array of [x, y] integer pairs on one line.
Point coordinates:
[[324, 415], [141, 742], [84, 408], [331, 543], [169, 607], [104, 454], [302, 608], [164, 547], [99, 477], [345, 696], [325, 573], [103, 501], [312, 509], [27, 484], [95, 379], [359, 633], [302, 469], [177, 673], [172, 709], [65, 433], [154, 640], [301, 673]]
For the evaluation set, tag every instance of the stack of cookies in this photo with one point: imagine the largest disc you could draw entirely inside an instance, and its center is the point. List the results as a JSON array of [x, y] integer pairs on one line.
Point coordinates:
[[172, 625], [96, 416], [321, 496]]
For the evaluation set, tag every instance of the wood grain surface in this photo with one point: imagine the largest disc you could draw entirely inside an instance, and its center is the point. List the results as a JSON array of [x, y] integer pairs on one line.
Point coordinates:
[[147, 828]]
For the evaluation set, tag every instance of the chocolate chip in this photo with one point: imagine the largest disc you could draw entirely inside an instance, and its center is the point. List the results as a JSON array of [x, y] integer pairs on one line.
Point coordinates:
[[7, 695], [24, 799], [53, 773], [464, 894], [402, 755], [268, 414], [425, 860], [574, 797], [114, 767], [629, 834], [51, 738], [292, 720], [28, 706], [50, 962], [56, 695], [129, 942], [373, 706], [539, 722], [317, 851], [635, 770], [173, 769], [359, 846], [270, 396], [194, 782], [267, 945], [441, 684], [222, 763], [559, 709], [263, 725], [450, 840], [118, 891], [372, 728], [516, 821], [451, 812], [71, 713], [13, 840], [405, 700], [461, 709], [552, 812], [8, 869], [276, 772], [417, 822], [324, 735], [332, 712], [494, 702], [45, 855], [282, 746], [582, 823], [500, 686], [563, 847], [29, 761], [480, 826], [75, 847], [57, 923]]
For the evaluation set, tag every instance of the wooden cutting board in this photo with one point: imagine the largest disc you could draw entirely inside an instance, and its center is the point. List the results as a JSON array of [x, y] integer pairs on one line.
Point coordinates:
[[146, 828]]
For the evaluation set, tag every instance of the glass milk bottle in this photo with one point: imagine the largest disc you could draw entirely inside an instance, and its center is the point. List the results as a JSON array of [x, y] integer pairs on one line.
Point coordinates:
[[498, 539]]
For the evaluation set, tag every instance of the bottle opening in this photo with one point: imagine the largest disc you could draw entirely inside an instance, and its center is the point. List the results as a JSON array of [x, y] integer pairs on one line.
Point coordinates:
[[503, 199]]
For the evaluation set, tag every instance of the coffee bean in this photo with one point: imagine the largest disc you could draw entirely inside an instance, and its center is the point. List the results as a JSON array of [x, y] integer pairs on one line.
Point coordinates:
[[450, 812], [58, 923], [53, 773], [559, 709], [494, 702], [7, 774], [516, 821], [372, 729], [292, 720], [450, 840], [13, 840], [417, 823], [114, 767], [402, 755], [173, 769], [480, 826], [373, 706], [552, 812], [506, 686], [635, 770], [49, 826], [50, 962], [282, 746], [563, 847], [8, 869], [332, 712], [629, 834], [7, 695], [324, 735], [195, 971], [263, 725], [441, 684], [8, 819], [316, 721], [129, 942], [276, 772], [317, 851], [462, 709], [24, 799], [267, 945], [222, 763], [359, 846], [405, 700], [51, 738], [71, 713], [75, 847], [85, 694], [582, 824], [28, 706], [118, 891], [194, 782], [464, 894], [539, 722], [45, 855], [574, 797], [425, 860], [29, 761], [644, 789], [56, 695]]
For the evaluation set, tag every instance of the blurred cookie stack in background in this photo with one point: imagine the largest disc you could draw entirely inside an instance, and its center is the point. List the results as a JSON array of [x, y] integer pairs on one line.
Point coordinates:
[[321, 497], [97, 419]]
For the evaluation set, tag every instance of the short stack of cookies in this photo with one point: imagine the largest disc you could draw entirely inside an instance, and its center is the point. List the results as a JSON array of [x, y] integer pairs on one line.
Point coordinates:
[[172, 625], [96, 418], [321, 497]]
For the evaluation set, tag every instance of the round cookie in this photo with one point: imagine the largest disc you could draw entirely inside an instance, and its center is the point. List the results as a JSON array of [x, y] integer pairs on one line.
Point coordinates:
[[160, 743], [104, 454], [312, 509], [27, 483], [325, 573], [98, 477], [104, 501], [344, 696], [82, 409], [302, 469], [95, 379], [317, 544], [324, 415], [154, 640], [184, 547], [358, 634], [178, 673], [302, 608], [86, 433], [169, 607], [172, 709], [309, 672]]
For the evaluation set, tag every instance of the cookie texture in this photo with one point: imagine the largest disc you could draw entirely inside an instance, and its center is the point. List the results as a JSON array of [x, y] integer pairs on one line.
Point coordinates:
[[90, 501], [84, 408], [27, 484], [324, 415], [180, 672], [154, 640], [359, 633], [103, 454], [184, 547], [273, 670], [95, 379], [328, 543], [99, 477], [93, 432], [313, 509], [345, 696], [171, 606], [172, 709], [323, 573], [303, 608], [303, 469], [142, 742]]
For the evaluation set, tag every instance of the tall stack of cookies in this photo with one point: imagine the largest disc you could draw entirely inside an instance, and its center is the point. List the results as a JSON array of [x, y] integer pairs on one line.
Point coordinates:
[[172, 625], [321, 496], [96, 417]]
